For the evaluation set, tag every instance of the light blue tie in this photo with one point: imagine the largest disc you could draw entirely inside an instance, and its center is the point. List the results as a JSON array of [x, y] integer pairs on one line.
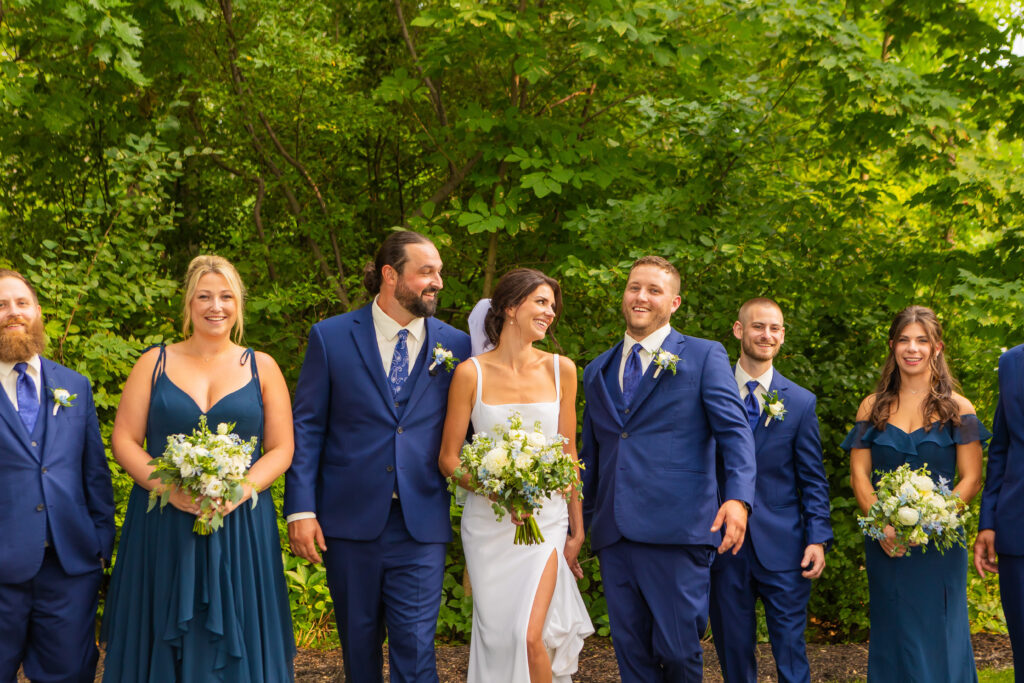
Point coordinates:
[[750, 403], [399, 364], [631, 374], [28, 401]]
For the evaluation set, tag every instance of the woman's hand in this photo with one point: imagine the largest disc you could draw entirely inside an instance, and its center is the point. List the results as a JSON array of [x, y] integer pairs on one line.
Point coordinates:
[[181, 500], [227, 507], [573, 544], [889, 545], [520, 519]]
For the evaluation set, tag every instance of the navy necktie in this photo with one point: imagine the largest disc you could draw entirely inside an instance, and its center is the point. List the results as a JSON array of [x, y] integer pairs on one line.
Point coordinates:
[[631, 374], [28, 401], [399, 363], [750, 402]]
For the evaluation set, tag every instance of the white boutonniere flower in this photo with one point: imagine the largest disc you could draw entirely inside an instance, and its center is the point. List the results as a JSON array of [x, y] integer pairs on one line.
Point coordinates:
[[665, 361], [441, 356], [62, 398], [773, 407]]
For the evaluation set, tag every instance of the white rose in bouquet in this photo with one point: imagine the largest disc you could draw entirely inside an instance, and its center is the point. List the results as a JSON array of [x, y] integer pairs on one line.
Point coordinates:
[[922, 483], [908, 516], [495, 459]]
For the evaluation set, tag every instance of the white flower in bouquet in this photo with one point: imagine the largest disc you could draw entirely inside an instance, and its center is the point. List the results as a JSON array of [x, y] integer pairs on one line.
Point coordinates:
[[520, 469], [921, 512], [210, 467]]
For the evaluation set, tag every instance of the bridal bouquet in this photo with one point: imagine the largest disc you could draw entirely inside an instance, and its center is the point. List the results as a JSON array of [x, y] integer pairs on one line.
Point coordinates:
[[518, 469], [209, 467], [917, 509]]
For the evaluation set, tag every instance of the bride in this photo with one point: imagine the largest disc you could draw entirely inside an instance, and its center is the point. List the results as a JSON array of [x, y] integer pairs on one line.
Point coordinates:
[[529, 620]]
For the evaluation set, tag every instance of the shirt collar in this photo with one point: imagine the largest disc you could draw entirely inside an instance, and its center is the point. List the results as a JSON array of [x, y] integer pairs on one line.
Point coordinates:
[[765, 380], [388, 327], [650, 343], [33, 362]]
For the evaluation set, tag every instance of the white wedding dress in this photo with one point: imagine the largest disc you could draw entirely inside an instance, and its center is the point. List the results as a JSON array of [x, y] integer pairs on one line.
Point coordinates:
[[505, 576]]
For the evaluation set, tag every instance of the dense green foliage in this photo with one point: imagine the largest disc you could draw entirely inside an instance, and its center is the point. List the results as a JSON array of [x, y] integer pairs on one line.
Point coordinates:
[[847, 158]]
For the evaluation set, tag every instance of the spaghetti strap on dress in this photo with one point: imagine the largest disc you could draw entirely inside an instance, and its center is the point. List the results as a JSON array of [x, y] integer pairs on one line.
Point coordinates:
[[505, 576], [184, 607]]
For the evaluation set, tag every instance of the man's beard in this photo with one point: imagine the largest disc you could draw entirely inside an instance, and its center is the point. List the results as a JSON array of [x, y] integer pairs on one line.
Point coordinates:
[[20, 346], [757, 353], [412, 302]]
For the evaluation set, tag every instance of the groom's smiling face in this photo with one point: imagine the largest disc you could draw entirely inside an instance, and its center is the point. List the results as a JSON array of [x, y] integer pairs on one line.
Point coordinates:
[[650, 299], [416, 287]]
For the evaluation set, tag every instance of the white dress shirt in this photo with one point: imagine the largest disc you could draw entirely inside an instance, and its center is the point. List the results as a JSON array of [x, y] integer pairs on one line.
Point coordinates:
[[648, 346], [387, 336], [387, 329], [9, 378], [763, 382]]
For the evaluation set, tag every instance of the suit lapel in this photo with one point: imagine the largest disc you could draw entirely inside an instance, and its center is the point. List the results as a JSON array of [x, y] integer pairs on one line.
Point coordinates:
[[674, 343], [51, 422], [761, 432], [365, 337], [597, 384], [422, 376], [10, 416]]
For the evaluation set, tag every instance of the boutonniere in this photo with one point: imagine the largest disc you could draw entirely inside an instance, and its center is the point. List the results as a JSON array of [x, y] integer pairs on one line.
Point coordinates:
[[441, 356], [665, 361], [62, 398], [773, 407]]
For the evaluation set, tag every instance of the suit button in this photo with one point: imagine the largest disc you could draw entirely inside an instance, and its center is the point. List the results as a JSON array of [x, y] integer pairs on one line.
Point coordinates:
[[627, 411], [44, 470], [389, 468], [35, 445], [625, 435], [397, 404], [40, 507], [400, 430]]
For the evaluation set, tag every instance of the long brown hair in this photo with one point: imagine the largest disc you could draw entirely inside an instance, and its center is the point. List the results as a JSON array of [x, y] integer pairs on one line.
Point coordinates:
[[939, 404]]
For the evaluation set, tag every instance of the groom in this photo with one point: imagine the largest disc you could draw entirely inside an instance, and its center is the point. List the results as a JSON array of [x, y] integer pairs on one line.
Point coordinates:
[[1002, 504], [56, 503], [364, 484], [658, 404], [789, 525]]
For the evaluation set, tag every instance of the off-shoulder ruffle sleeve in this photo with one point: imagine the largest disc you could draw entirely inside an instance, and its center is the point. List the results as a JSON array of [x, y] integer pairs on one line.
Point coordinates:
[[862, 435], [971, 430]]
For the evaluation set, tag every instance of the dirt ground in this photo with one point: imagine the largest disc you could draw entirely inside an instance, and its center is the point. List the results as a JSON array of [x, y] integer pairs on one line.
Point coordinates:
[[829, 662]]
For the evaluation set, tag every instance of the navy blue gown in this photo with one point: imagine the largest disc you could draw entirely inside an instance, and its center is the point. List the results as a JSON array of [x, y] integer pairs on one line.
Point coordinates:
[[184, 607], [919, 626]]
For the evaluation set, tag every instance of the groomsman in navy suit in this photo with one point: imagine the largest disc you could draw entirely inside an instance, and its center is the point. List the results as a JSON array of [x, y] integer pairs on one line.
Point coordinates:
[[56, 503], [364, 484], [789, 525], [999, 547], [658, 404]]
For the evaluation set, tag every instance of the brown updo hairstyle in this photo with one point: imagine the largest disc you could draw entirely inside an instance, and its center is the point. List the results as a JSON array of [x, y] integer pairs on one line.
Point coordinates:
[[938, 405], [202, 265], [391, 253], [512, 290]]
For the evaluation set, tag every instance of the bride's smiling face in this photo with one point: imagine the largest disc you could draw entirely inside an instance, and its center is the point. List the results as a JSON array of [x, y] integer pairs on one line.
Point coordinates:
[[534, 315]]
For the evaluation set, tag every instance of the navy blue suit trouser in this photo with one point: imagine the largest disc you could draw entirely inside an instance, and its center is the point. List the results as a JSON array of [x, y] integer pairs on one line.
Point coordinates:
[[48, 624], [737, 581], [657, 605], [1011, 589], [388, 586]]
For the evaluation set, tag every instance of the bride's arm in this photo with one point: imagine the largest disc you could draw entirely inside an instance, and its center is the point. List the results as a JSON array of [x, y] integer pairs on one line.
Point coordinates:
[[456, 422], [567, 427]]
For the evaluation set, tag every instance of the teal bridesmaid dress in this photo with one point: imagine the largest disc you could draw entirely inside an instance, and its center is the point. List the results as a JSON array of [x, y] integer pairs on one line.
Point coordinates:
[[184, 607], [919, 626]]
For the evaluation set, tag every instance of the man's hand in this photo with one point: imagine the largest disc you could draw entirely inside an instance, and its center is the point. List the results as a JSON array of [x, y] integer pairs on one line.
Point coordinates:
[[814, 561], [733, 514], [306, 536], [985, 559]]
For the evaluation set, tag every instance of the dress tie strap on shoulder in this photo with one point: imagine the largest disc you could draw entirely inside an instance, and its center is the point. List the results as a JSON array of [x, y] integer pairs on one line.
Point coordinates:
[[558, 379], [479, 379]]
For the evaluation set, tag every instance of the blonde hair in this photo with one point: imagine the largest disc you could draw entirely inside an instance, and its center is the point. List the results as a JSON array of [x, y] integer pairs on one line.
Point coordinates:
[[205, 264]]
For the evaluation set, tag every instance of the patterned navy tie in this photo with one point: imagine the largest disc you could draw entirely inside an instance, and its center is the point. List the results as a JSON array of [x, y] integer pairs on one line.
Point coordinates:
[[28, 401], [631, 374], [399, 364], [750, 402]]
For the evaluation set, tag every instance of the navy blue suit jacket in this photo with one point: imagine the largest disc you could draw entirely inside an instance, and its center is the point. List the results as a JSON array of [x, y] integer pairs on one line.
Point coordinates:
[[61, 478], [791, 504], [354, 448], [1002, 503], [651, 466]]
